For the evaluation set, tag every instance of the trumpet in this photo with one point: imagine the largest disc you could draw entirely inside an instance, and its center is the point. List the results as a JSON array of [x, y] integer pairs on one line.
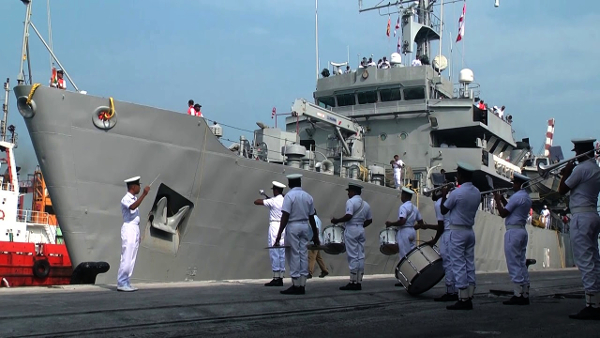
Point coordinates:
[[545, 171], [428, 191], [495, 190]]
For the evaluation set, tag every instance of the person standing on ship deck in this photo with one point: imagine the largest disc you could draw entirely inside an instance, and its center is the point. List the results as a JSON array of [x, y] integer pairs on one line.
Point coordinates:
[[397, 165], [515, 212], [357, 218], [583, 183], [462, 204], [277, 255], [297, 212], [408, 214], [191, 110], [130, 232]]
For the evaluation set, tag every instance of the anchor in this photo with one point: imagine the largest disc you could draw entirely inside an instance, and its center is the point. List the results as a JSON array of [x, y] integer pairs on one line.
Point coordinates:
[[164, 223]]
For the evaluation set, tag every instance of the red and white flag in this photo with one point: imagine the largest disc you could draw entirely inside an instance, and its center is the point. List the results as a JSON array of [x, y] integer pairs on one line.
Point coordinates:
[[273, 112], [397, 26], [389, 26], [461, 23]]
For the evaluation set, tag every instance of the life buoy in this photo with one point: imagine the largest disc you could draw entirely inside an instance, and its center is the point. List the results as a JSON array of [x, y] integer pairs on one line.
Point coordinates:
[[41, 268], [1, 215]]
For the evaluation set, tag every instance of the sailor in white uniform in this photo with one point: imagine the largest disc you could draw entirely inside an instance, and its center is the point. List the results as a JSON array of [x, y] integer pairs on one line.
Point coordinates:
[[408, 214], [357, 218], [583, 182], [297, 212], [515, 213], [277, 255], [130, 232], [462, 204]]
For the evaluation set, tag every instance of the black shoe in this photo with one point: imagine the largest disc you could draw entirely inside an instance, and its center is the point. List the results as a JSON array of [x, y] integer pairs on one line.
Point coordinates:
[[517, 301], [399, 284], [351, 286], [447, 297], [275, 282], [588, 313], [323, 274], [461, 305], [309, 276], [293, 290]]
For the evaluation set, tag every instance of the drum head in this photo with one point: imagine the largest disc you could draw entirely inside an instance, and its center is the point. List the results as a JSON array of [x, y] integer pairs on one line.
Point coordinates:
[[389, 249], [335, 248]]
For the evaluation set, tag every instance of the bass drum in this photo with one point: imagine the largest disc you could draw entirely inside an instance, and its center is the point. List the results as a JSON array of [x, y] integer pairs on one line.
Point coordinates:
[[421, 269]]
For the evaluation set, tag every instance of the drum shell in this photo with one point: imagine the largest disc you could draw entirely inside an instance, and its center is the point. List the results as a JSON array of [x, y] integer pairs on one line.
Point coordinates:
[[420, 270], [388, 245], [333, 239]]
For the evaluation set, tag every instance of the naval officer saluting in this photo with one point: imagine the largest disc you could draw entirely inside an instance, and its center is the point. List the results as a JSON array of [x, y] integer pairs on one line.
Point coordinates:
[[357, 218], [462, 204], [515, 213], [277, 255], [297, 212], [130, 232], [583, 181]]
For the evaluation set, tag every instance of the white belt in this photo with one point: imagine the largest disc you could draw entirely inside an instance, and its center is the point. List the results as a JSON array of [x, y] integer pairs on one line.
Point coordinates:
[[460, 227], [508, 227], [299, 221], [579, 210]]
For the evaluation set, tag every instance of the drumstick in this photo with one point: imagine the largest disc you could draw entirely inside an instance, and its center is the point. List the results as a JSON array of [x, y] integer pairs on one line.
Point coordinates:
[[155, 179]]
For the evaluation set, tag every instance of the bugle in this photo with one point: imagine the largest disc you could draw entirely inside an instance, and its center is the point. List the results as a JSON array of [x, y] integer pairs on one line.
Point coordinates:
[[545, 171], [495, 190], [427, 191]]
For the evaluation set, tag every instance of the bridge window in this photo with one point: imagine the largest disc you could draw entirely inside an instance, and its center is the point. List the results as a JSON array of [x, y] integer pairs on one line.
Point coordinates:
[[367, 97], [346, 100], [326, 102], [415, 93], [392, 94]]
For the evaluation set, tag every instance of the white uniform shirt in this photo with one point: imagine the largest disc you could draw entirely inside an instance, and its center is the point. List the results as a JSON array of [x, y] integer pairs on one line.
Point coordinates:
[[438, 214], [410, 213], [299, 204], [416, 62], [518, 206], [274, 204], [584, 183], [398, 167], [359, 214], [463, 203], [545, 213], [129, 216]]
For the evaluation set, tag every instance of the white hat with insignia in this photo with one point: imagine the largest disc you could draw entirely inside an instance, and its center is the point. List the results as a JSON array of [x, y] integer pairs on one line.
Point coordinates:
[[278, 185], [519, 177], [579, 142], [465, 166], [408, 191], [354, 186], [294, 176], [135, 180]]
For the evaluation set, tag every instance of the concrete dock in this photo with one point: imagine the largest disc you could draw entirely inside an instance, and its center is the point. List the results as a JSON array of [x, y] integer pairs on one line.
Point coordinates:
[[248, 309]]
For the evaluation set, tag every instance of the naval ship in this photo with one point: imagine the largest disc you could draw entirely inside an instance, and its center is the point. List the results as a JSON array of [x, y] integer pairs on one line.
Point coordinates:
[[199, 222]]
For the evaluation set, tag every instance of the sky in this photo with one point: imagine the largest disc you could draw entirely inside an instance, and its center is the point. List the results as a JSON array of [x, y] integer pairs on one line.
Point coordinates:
[[240, 59]]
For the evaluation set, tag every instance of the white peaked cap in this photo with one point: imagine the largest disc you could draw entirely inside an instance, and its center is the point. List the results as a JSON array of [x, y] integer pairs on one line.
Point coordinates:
[[278, 185]]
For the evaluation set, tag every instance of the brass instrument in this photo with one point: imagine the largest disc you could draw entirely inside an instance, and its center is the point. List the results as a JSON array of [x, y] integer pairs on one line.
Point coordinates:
[[544, 171], [495, 190], [427, 191]]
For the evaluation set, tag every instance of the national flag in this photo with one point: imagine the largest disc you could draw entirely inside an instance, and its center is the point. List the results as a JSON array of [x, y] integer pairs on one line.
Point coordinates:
[[54, 78], [273, 112], [397, 26], [389, 26], [461, 23]]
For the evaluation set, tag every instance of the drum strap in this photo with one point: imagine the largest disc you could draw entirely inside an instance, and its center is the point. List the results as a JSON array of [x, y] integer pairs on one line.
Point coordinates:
[[362, 204]]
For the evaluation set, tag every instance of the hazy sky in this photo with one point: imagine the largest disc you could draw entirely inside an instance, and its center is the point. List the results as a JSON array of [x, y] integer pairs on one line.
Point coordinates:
[[240, 59]]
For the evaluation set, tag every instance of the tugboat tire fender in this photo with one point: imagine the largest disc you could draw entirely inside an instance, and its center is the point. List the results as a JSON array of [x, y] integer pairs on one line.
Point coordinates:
[[41, 268]]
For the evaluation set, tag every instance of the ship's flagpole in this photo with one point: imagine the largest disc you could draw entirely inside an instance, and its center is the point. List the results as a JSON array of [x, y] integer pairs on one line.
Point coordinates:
[[441, 32], [317, 37]]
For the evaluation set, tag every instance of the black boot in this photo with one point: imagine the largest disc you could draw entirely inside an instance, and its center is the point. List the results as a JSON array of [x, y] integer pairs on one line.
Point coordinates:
[[461, 305], [275, 282], [517, 301], [588, 313], [447, 297], [293, 290], [351, 286]]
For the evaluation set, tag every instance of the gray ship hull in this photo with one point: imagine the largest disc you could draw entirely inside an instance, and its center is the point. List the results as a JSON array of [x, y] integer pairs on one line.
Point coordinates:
[[224, 235]]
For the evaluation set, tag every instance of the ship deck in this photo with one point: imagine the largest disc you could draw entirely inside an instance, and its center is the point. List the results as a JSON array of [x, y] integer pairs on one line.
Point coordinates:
[[246, 308]]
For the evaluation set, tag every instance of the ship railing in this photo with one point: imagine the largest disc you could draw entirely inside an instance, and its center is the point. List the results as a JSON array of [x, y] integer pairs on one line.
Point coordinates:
[[7, 187], [33, 217]]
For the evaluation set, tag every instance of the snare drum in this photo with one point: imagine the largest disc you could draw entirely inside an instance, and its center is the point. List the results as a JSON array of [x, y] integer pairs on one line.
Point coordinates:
[[387, 241], [420, 270], [333, 239]]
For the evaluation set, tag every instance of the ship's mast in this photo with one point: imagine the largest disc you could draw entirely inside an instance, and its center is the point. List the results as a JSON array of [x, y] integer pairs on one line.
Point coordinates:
[[5, 110]]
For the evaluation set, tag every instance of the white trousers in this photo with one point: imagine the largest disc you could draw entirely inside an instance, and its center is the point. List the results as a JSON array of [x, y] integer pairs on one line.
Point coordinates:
[[585, 228], [130, 242], [515, 247], [447, 262], [297, 236], [406, 238], [397, 180], [354, 237], [277, 255], [462, 255]]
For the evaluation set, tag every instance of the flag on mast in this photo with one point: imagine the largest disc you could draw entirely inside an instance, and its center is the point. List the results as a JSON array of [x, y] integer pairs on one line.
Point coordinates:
[[461, 24], [54, 79], [397, 26], [389, 26]]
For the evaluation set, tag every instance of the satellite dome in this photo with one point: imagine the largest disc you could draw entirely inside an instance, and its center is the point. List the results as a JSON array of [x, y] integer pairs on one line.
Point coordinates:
[[440, 63], [466, 76], [395, 59]]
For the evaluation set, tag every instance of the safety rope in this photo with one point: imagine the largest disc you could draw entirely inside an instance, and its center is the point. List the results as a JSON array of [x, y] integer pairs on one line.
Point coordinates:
[[30, 96], [107, 115]]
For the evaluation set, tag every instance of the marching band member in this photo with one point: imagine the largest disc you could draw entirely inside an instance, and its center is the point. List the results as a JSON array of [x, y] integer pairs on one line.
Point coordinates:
[[277, 255], [408, 214], [515, 213], [462, 204], [583, 181], [358, 216], [297, 211]]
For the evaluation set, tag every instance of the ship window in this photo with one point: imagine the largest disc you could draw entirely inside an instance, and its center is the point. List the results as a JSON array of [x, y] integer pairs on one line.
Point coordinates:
[[326, 102], [346, 100], [367, 97], [416, 93], [392, 94]]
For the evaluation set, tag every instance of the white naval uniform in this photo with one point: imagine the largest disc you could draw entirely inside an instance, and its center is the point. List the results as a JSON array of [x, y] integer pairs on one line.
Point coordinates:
[[444, 248], [407, 235], [398, 173], [277, 255], [130, 239], [584, 183], [515, 241], [463, 203], [299, 204], [354, 236]]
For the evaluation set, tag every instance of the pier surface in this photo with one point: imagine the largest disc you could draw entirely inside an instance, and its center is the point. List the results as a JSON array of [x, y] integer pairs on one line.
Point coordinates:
[[246, 308]]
